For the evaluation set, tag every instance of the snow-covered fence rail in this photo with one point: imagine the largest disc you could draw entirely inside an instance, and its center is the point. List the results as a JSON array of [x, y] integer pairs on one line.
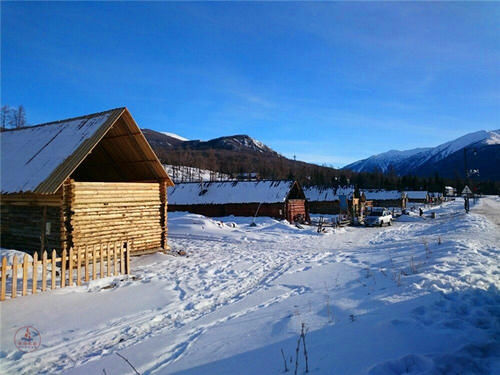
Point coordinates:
[[87, 262]]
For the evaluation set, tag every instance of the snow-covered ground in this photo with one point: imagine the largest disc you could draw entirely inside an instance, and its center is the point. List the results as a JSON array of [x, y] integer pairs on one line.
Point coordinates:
[[420, 297]]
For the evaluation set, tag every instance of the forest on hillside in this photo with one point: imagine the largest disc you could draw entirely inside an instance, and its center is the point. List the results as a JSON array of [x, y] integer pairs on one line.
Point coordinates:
[[238, 164]]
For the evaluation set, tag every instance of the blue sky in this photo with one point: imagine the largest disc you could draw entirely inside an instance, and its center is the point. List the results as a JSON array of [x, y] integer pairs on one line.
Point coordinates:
[[329, 82]]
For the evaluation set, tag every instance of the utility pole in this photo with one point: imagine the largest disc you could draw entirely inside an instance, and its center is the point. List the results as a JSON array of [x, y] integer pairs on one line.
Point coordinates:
[[467, 192]]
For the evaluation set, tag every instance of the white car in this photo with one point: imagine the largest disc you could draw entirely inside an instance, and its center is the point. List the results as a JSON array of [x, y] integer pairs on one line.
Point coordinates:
[[378, 217]]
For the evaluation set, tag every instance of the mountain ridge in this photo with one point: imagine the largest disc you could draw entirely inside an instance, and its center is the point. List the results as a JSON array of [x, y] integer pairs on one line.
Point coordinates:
[[428, 161]]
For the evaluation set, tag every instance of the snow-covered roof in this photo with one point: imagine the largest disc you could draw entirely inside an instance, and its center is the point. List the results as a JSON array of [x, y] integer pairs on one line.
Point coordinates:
[[378, 195], [417, 194], [326, 194], [39, 158], [229, 192]]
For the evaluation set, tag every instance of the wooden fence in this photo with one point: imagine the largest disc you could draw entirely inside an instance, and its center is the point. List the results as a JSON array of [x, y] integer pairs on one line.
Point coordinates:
[[89, 263]]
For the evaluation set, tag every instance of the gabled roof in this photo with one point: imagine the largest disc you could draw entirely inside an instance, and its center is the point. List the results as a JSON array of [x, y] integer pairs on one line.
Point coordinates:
[[39, 158], [417, 194], [327, 194], [229, 192], [380, 195]]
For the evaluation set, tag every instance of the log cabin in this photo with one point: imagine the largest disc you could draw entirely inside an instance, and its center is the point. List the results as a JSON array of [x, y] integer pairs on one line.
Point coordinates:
[[418, 196], [386, 198], [326, 200], [82, 181], [334, 201], [277, 199]]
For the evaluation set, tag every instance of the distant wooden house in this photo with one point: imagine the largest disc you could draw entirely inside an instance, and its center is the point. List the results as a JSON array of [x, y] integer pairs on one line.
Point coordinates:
[[328, 200], [386, 198], [418, 196], [277, 199], [436, 197], [82, 181]]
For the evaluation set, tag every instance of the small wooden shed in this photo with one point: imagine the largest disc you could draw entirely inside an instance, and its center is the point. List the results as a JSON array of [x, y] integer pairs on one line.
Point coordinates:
[[277, 199], [418, 196], [82, 181], [386, 198], [328, 200]]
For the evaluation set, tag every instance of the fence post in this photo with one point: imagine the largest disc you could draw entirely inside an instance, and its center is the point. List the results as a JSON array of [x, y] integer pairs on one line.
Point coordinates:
[[101, 258], [86, 264], [35, 273], [109, 260], [78, 265], [44, 271], [70, 267], [53, 278], [94, 263], [25, 274], [122, 258], [127, 261], [4, 278], [115, 260], [63, 268], [14, 277]]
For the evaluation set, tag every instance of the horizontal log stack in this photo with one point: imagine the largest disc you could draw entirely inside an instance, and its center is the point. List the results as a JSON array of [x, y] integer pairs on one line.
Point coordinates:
[[102, 212], [31, 221], [295, 208]]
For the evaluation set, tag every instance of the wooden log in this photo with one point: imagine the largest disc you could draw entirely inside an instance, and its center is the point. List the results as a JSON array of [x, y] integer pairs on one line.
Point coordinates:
[[94, 263], [34, 277], [63, 269], [86, 264], [53, 269], [44, 271], [109, 260], [78, 266], [4, 279], [70, 267], [119, 205], [115, 255], [25, 274], [101, 256], [127, 258], [122, 258], [101, 186], [14, 277]]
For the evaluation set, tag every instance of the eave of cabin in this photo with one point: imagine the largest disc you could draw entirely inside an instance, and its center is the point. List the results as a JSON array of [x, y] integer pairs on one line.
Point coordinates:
[[122, 155]]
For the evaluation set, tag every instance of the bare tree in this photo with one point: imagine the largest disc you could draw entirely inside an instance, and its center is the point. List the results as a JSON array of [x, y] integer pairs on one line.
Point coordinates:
[[19, 117], [5, 116]]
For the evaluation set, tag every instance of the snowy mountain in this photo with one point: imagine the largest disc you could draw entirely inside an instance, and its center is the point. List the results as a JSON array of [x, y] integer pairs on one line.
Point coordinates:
[[384, 160], [240, 142], [447, 159], [177, 136]]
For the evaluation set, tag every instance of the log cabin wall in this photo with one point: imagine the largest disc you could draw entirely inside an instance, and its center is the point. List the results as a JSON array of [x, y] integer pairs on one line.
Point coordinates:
[[324, 207], [108, 211], [389, 203], [296, 208], [31, 222], [275, 210]]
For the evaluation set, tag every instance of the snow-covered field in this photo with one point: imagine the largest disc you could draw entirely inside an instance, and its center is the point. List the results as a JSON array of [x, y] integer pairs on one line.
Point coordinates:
[[420, 297]]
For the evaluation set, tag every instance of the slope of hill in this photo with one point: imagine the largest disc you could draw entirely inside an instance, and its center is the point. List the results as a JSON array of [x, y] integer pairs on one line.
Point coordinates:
[[232, 155], [447, 159], [384, 160]]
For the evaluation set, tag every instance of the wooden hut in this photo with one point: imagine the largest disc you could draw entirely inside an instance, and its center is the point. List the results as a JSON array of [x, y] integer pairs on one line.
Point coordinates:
[[418, 196], [386, 198], [328, 200], [82, 181], [277, 199]]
